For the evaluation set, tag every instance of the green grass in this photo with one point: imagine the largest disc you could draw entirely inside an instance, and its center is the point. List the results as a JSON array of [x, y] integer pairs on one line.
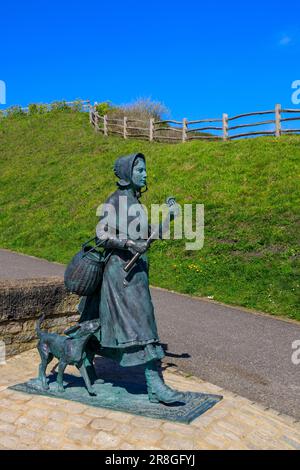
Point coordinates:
[[55, 171]]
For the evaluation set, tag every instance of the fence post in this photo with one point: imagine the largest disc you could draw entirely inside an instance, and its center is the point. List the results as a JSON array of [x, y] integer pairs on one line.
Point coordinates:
[[151, 129], [184, 129], [90, 110], [225, 126], [91, 113], [96, 121], [93, 116], [125, 127], [105, 130], [278, 120]]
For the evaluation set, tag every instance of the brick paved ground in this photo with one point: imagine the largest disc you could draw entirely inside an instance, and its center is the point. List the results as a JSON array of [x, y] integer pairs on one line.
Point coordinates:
[[36, 422]]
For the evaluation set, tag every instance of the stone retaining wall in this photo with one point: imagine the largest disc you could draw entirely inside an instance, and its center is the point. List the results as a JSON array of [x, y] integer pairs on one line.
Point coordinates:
[[21, 304]]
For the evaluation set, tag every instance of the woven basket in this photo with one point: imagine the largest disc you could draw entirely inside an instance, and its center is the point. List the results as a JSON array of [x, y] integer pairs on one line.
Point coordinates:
[[84, 273]]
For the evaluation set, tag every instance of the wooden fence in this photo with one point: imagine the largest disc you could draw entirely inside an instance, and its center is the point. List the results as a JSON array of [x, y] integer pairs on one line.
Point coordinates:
[[205, 129], [226, 128]]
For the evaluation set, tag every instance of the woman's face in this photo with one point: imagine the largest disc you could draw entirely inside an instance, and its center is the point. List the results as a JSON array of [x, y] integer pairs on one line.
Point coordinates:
[[139, 175]]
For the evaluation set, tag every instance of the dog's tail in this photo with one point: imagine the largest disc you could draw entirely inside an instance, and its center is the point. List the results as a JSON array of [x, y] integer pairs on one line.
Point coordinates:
[[38, 325]]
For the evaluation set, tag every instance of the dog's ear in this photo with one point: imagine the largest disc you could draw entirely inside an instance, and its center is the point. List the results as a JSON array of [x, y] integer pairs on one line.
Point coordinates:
[[72, 329]]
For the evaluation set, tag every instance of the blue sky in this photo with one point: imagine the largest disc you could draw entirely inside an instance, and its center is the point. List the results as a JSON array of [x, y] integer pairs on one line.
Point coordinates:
[[199, 58]]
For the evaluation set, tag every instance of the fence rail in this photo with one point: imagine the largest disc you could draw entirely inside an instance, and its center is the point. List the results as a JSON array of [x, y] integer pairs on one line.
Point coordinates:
[[182, 131]]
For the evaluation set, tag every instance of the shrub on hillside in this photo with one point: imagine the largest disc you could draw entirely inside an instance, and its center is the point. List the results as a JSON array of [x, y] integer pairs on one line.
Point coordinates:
[[15, 111], [60, 106], [104, 108], [142, 109], [76, 105], [138, 114], [35, 108]]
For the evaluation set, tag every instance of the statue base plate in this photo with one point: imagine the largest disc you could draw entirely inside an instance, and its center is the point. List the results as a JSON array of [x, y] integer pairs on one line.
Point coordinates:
[[124, 389], [119, 398]]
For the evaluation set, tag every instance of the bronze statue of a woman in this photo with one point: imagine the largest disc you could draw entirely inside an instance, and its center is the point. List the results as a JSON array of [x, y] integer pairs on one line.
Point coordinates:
[[128, 327]]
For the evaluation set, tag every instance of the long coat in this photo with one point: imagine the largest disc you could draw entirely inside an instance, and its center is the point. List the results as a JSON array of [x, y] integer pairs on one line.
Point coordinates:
[[126, 310], [128, 326]]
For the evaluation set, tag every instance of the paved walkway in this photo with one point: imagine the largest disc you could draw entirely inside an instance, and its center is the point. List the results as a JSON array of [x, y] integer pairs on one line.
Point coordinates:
[[244, 352], [36, 422]]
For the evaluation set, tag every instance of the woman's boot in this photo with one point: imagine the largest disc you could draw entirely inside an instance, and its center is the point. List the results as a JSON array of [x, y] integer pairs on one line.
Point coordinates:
[[157, 389]]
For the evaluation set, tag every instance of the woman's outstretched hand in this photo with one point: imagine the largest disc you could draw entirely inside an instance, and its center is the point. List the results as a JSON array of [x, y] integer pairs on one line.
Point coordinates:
[[137, 246]]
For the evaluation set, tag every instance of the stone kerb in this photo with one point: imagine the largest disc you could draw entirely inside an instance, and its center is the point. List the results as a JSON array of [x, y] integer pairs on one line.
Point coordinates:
[[21, 304]]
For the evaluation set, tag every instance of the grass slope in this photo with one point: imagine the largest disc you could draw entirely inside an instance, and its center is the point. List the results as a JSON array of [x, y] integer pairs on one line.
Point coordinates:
[[55, 171]]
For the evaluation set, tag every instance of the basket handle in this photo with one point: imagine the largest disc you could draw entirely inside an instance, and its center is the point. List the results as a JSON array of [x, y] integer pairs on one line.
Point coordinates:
[[88, 241], [99, 243]]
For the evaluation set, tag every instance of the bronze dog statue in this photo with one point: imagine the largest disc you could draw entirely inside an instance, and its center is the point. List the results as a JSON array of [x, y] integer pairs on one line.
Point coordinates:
[[69, 350]]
